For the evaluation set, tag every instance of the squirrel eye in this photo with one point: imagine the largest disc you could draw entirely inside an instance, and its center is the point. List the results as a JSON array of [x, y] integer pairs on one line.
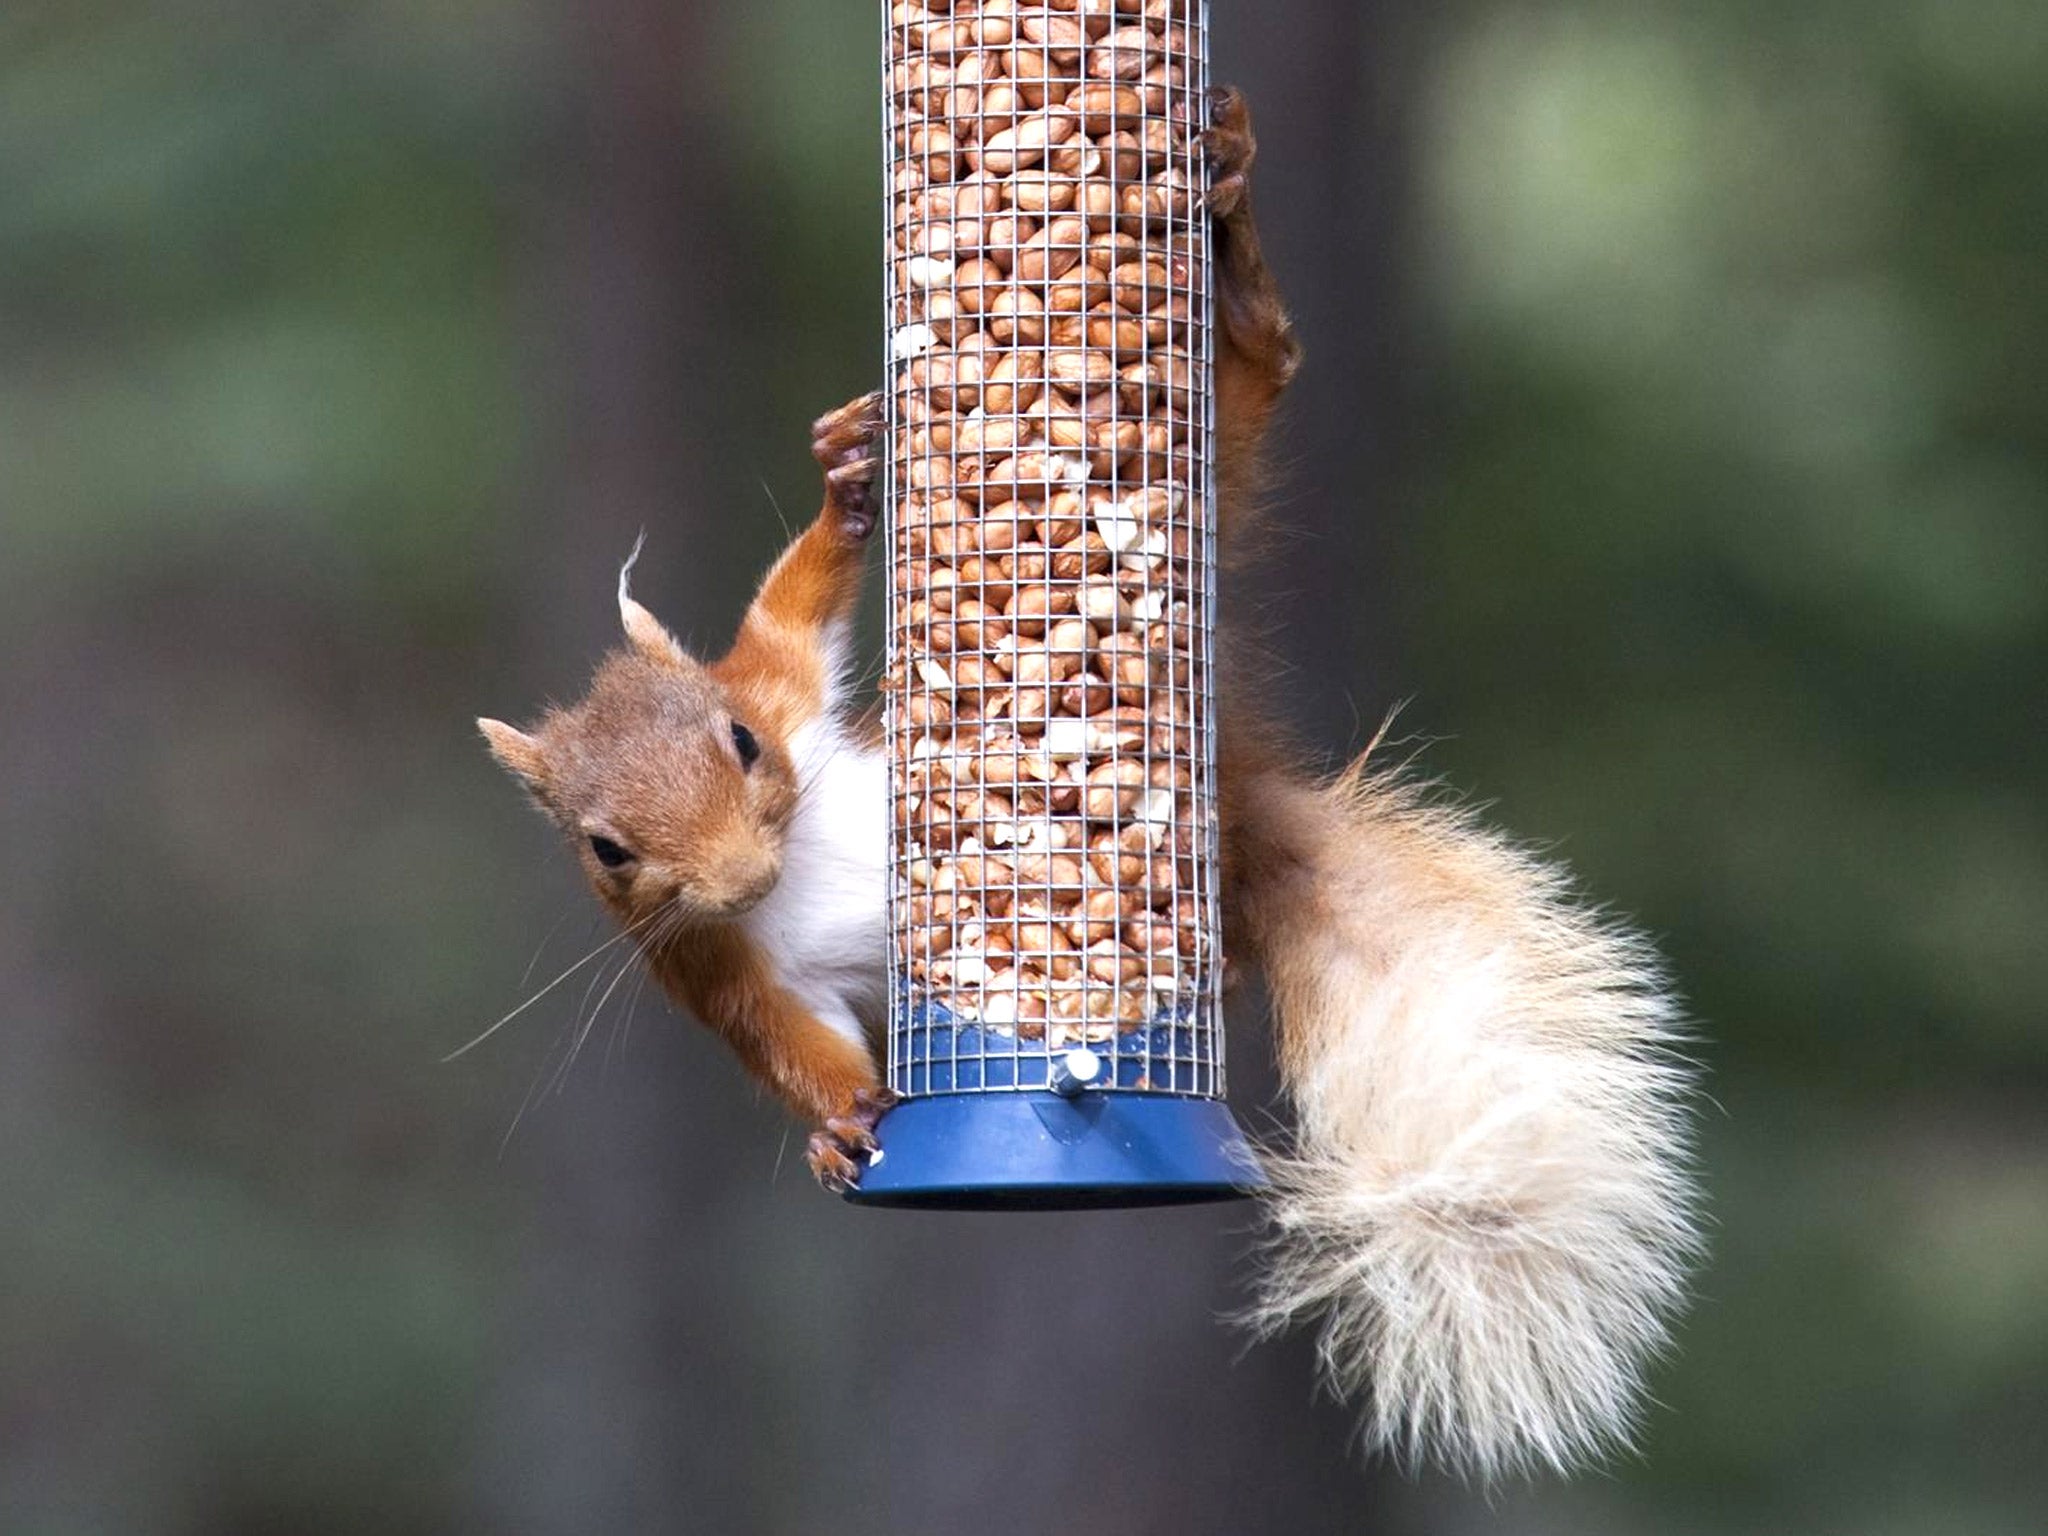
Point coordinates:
[[743, 741], [609, 853]]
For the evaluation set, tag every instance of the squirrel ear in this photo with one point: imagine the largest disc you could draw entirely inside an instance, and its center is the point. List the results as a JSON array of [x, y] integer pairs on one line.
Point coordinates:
[[522, 755], [643, 629]]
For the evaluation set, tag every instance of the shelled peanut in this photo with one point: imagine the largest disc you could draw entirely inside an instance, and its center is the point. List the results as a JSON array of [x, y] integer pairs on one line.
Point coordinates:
[[1047, 682]]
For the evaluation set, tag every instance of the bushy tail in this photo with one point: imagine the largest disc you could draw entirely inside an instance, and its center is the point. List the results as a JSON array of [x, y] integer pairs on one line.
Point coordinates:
[[1489, 1200]]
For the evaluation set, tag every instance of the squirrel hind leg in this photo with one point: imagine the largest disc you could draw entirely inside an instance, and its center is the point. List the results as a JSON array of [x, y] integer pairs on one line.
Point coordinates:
[[1259, 348], [1256, 349]]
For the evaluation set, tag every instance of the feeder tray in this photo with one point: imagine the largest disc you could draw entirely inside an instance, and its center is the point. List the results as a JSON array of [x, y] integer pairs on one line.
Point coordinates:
[[999, 1129]]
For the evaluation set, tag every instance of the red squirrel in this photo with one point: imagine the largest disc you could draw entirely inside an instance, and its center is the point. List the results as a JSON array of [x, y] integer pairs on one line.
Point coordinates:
[[733, 818], [1487, 1199]]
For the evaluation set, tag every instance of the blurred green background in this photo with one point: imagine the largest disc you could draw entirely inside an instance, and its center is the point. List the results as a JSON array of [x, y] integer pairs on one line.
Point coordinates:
[[1674, 439]]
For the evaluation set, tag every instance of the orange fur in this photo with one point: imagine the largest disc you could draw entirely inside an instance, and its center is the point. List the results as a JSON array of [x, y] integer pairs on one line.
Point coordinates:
[[723, 979], [779, 661], [649, 761]]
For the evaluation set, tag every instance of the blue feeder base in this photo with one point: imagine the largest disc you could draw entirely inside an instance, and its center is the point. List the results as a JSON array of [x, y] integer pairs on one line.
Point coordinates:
[[1037, 1151]]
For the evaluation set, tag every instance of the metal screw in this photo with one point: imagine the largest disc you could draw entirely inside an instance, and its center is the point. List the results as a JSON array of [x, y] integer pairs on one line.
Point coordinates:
[[1079, 1069]]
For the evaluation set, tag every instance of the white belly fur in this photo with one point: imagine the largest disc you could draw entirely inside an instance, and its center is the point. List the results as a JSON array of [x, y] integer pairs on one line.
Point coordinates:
[[824, 927]]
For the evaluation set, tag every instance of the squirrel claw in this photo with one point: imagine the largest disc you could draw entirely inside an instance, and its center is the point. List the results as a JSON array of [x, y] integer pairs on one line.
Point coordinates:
[[1230, 147], [847, 434], [853, 1135], [838, 1149], [851, 487], [830, 1166], [843, 443], [873, 1103]]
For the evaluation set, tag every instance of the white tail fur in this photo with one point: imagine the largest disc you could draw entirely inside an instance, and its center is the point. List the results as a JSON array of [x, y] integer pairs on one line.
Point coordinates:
[[1489, 1201]]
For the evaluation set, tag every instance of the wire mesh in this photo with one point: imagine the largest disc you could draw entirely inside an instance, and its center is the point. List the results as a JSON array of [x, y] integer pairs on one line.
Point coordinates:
[[1049, 484]]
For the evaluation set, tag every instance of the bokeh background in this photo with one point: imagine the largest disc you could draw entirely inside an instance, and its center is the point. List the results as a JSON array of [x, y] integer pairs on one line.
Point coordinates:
[[1674, 440]]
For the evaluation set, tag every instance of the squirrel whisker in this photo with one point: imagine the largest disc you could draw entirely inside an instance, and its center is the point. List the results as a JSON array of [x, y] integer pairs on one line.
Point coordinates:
[[581, 1020], [630, 964], [464, 1050], [615, 1043]]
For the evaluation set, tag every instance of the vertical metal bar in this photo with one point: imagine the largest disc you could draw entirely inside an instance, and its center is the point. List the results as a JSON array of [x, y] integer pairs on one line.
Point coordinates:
[[891, 501]]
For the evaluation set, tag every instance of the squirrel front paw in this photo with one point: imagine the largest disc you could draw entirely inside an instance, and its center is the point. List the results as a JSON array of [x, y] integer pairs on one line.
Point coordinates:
[[843, 1144], [843, 443]]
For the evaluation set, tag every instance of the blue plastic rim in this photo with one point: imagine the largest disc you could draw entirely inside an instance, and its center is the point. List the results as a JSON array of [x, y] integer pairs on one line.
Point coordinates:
[[1038, 1151]]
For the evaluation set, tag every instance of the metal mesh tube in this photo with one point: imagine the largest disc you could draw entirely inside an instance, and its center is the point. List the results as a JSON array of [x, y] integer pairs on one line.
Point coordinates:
[[1049, 485]]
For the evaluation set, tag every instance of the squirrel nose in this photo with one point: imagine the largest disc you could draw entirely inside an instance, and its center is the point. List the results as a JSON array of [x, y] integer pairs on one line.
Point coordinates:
[[751, 874]]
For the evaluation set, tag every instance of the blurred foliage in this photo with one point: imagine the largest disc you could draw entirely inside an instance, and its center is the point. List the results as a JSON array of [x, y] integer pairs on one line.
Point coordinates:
[[1736, 570], [1717, 475]]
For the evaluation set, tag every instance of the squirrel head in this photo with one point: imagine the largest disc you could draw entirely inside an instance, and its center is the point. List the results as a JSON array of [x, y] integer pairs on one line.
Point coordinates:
[[673, 799]]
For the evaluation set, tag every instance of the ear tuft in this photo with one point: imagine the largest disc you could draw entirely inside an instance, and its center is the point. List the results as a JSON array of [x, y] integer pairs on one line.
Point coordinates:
[[643, 629], [522, 755]]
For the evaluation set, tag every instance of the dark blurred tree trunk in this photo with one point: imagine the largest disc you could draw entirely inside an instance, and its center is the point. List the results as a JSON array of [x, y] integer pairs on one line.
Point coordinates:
[[604, 1420], [638, 197], [1330, 86]]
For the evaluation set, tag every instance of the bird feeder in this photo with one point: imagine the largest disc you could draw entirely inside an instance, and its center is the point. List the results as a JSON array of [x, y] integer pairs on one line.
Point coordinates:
[[1055, 1027]]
